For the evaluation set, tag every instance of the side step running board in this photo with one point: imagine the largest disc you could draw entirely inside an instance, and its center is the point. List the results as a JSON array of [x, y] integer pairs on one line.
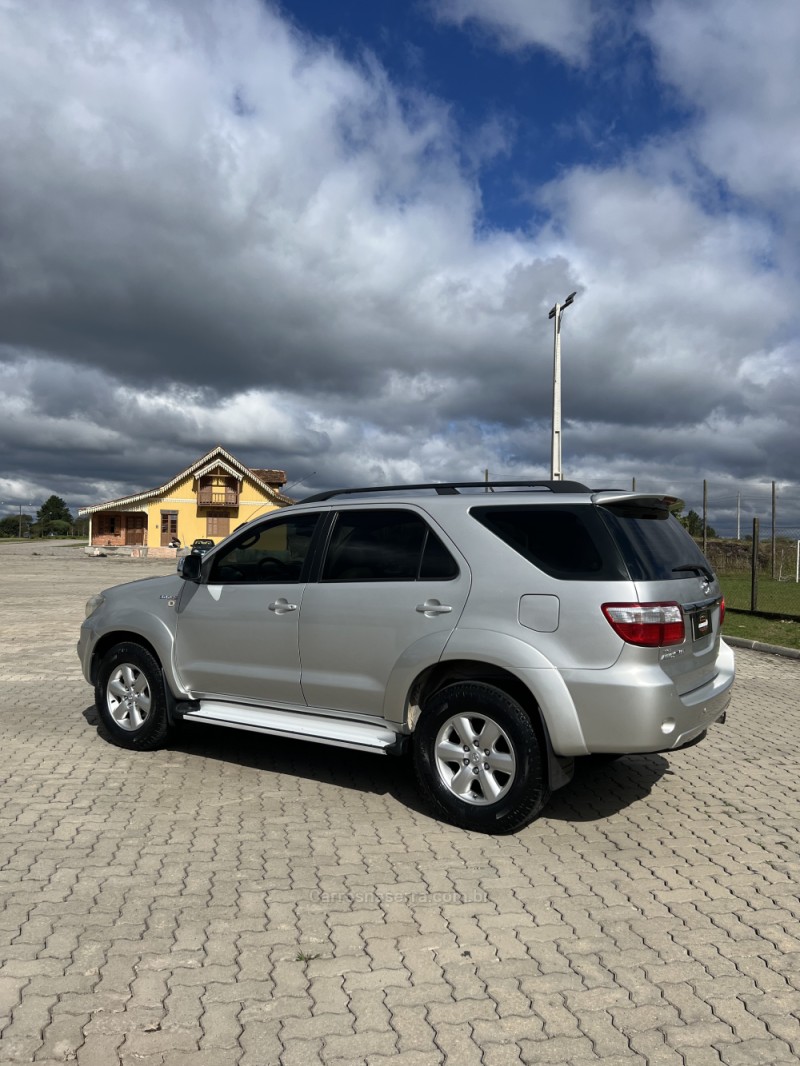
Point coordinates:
[[342, 733]]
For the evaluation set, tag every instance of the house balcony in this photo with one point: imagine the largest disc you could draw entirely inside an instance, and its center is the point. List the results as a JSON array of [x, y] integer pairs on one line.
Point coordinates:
[[217, 498]]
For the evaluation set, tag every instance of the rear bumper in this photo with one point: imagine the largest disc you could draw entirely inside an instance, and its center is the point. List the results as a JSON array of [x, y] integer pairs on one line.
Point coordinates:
[[641, 710]]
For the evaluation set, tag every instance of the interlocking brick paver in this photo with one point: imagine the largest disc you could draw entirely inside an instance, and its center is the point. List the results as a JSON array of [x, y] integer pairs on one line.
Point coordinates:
[[369, 1011], [501, 1055], [756, 1053], [220, 1025], [655, 1049], [166, 908], [510, 1029], [410, 1058], [560, 1049]]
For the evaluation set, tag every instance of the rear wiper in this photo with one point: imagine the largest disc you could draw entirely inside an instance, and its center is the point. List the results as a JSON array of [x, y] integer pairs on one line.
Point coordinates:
[[694, 568]]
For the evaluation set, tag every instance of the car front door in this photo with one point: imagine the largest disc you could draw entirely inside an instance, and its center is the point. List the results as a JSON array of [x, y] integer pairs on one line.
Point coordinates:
[[237, 631], [389, 588]]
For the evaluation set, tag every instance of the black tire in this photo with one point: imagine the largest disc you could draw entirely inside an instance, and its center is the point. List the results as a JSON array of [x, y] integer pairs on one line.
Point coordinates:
[[478, 759], [130, 698]]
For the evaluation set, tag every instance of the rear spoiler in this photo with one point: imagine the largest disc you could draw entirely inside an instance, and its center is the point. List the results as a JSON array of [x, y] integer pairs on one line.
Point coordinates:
[[639, 499]]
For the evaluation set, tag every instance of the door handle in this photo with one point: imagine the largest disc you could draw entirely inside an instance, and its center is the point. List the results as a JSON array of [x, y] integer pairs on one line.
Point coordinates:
[[430, 608], [282, 606]]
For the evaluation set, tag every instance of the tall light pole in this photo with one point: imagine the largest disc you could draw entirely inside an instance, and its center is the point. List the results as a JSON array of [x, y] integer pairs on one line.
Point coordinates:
[[555, 448]]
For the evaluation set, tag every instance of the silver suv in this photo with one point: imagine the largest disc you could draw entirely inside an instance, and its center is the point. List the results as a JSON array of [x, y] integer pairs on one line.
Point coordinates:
[[496, 631]]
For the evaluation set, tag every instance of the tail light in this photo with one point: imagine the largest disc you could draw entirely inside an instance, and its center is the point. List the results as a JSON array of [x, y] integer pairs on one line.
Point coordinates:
[[721, 611], [648, 625]]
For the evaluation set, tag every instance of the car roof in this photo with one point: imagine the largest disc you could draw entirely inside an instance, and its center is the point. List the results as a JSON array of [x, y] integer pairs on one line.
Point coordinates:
[[452, 488], [455, 493]]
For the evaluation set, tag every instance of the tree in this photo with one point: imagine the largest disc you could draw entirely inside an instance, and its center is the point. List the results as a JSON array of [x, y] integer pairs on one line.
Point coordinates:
[[59, 527], [12, 524], [53, 510], [693, 523]]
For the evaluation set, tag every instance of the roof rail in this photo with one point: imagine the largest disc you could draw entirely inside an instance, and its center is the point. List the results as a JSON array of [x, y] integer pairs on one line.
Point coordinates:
[[451, 488]]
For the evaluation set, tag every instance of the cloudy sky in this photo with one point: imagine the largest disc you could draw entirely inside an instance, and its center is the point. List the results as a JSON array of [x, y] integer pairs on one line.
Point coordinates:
[[327, 236]]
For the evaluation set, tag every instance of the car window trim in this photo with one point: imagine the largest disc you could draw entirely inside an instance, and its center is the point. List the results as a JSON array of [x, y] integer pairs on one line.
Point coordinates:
[[308, 562], [333, 517]]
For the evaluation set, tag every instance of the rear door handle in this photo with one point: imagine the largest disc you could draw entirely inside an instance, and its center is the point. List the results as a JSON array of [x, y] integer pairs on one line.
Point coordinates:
[[430, 608], [282, 606]]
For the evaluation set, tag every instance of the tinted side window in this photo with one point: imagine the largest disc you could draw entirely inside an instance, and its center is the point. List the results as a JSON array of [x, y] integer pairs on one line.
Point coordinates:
[[385, 545], [652, 542], [271, 553], [437, 562], [570, 543]]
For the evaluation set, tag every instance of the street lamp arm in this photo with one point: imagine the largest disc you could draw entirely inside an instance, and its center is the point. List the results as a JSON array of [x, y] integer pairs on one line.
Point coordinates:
[[556, 308]]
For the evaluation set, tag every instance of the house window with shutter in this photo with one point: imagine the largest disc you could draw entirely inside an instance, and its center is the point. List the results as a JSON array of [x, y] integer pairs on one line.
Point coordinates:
[[218, 524]]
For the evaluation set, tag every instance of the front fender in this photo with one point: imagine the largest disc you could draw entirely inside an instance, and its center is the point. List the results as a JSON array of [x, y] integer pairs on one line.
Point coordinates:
[[129, 624]]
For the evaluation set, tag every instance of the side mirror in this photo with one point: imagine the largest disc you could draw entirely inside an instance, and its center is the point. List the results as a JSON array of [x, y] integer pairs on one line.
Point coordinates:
[[189, 567]]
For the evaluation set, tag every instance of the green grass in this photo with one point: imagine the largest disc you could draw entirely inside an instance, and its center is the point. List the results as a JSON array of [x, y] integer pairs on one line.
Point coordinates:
[[780, 597], [783, 632]]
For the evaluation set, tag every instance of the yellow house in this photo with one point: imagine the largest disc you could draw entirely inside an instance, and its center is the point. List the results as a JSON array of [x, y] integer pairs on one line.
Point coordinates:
[[209, 499]]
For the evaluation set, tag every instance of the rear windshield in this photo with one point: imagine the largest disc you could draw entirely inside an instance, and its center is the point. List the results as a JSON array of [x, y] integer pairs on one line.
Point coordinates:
[[570, 543], [653, 543]]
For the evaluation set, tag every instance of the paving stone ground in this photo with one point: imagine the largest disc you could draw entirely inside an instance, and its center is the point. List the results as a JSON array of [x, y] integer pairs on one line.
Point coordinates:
[[244, 901]]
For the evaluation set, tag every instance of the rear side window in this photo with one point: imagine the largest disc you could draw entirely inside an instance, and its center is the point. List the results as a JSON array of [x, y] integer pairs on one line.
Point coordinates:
[[570, 543], [653, 543], [386, 545]]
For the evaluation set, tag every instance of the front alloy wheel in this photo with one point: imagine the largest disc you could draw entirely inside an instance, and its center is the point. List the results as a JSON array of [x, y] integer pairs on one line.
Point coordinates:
[[479, 760], [128, 696], [131, 699]]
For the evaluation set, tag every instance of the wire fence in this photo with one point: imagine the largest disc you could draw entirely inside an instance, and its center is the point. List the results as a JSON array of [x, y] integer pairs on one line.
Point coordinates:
[[750, 535], [760, 575]]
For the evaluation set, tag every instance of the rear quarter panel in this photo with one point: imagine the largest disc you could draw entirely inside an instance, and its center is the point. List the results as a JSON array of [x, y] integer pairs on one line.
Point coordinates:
[[583, 637]]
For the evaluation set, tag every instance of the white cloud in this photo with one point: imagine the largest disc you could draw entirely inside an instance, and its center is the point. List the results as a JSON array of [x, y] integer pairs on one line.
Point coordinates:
[[219, 231], [735, 63], [327, 221], [673, 298], [564, 27]]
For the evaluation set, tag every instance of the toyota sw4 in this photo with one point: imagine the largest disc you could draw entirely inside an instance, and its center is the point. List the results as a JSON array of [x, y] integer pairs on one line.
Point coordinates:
[[495, 632]]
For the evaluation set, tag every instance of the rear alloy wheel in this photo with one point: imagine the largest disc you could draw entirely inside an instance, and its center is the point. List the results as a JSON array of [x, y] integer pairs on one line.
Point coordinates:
[[131, 699], [478, 759]]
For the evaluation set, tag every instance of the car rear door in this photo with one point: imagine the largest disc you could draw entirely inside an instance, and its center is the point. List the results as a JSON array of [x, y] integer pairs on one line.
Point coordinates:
[[389, 588]]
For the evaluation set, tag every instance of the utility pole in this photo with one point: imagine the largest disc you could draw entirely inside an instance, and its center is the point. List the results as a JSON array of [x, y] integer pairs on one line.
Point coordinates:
[[705, 517], [774, 507], [738, 516], [555, 448]]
